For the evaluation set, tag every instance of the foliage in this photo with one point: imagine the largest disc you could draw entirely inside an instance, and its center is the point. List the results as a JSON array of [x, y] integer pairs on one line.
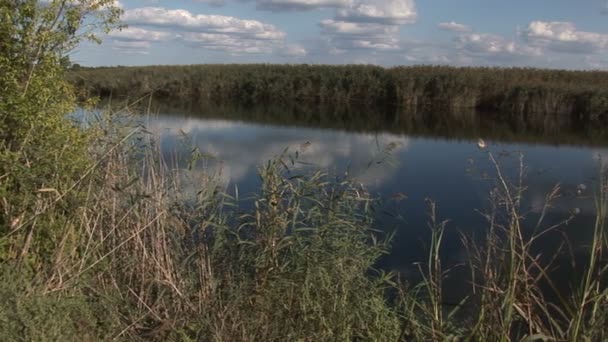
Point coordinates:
[[41, 153], [29, 314]]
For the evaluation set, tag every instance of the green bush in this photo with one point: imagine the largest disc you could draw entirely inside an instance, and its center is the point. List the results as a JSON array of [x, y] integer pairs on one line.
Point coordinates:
[[41, 153], [28, 313]]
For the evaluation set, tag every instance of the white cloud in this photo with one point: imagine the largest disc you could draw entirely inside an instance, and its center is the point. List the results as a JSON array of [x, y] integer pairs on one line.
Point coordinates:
[[454, 27], [390, 12], [212, 32], [185, 20], [563, 37], [471, 48], [374, 11], [364, 25], [542, 44], [139, 34], [136, 40], [367, 25], [491, 45]]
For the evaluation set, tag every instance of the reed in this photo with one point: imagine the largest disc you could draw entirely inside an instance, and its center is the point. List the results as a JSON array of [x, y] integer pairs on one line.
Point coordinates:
[[511, 281], [142, 255], [532, 93], [175, 264]]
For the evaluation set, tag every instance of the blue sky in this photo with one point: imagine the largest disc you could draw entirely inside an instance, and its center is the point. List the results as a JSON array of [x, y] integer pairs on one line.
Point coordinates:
[[537, 33]]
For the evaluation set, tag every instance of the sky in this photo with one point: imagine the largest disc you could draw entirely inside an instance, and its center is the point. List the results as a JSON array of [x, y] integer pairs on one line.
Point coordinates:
[[563, 34]]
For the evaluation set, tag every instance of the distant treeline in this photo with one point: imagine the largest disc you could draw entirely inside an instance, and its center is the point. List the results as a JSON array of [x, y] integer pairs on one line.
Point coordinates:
[[582, 95]]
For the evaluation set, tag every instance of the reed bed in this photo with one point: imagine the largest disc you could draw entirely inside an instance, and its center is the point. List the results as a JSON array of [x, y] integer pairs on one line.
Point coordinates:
[[578, 95], [145, 259]]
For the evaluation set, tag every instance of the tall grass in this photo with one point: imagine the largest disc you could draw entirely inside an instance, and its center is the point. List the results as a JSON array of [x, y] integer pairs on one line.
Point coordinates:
[[152, 251], [161, 262], [513, 292], [577, 95]]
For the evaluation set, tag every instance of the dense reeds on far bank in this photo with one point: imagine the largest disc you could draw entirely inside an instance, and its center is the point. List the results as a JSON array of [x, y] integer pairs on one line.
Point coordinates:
[[583, 95]]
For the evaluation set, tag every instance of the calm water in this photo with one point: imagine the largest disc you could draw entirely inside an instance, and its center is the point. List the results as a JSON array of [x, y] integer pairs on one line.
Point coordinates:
[[423, 162]]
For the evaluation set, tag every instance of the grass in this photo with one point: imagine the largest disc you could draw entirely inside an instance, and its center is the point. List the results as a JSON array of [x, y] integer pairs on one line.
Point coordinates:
[[140, 256]]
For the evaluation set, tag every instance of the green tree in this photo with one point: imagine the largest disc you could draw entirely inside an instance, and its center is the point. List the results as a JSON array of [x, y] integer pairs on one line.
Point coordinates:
[[39, 148]]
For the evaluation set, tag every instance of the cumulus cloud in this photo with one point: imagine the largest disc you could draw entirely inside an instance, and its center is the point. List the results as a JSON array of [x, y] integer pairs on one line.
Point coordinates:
[[183, 19], [454, 27], [136, 40], [374, 11], [213, 32], [563, 37], [390, 12], [484, 44], [555, 44], [139, 34], [367, 25]]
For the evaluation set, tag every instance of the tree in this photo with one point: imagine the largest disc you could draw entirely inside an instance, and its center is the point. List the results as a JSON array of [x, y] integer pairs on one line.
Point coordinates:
[[39, 147]]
